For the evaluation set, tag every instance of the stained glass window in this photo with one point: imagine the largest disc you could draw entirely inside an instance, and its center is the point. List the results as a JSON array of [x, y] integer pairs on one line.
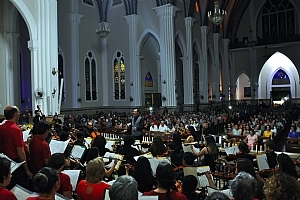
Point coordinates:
[[61, 73], [278, 19], [119, 76], [148, 80], [280, 78], [90, 77]]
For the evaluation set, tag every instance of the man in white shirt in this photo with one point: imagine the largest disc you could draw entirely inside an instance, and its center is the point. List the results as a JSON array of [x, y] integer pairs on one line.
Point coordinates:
[[153, 127], [162, 127]]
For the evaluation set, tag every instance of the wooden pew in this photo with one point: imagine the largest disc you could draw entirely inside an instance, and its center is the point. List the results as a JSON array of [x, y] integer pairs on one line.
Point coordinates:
[[293, 145]]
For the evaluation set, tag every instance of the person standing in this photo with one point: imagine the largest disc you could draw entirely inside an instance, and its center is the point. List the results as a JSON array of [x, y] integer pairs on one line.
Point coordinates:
[[137, 124], [12, 145]]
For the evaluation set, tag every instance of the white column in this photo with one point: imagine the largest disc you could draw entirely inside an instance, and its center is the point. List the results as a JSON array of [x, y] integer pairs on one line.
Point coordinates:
[[188, 75], [44, 57], [104, 72], [225, 69], [203, 67], [135, 71], [75, 21], [215, 69], [166, 15], [12, 71]]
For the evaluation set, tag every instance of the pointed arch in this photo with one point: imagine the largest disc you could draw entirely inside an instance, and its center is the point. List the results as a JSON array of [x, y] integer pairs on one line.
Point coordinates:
[[181, 42], [272, 65], [61, 71], [28, 18], [142, 39]]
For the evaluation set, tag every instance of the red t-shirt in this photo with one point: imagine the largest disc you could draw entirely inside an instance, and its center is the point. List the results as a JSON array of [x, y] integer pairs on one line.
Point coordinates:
[[39, 151], [34, 198], [162, 196], [11, 137], [97, 191], [65, 183], [5, 194]]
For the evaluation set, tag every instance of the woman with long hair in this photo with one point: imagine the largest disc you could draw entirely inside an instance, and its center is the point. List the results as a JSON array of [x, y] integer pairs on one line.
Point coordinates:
[[46, 182], [100, 142], [286, 165], [143, 175], [165, 180], [210, 153], [158, 147]]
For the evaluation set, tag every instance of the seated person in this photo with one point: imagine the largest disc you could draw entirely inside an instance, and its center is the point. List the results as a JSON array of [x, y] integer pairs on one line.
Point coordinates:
[[251, 139], [165, 180], [281, 186], [93, 187], [189, 186], [176, 158], [5, 178], [271, 155], [143, 175], [217, 196], [100, 142], [127, 150], [243, 186], [124, 188], [57, 162], [286, 165], [46, 182], [158, 147], [293, 133]]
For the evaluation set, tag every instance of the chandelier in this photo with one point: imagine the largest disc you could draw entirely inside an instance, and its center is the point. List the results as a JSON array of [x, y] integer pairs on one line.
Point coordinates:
[[218, 15], [103, 30], [250, 42]]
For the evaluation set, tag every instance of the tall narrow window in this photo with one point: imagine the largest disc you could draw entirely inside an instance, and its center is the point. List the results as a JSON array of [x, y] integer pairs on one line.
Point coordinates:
[[90, 67], [61, 74], [119, 76]]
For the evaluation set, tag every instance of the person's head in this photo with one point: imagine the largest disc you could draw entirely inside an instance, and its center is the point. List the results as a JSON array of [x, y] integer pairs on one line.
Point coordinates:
[[95, 170], [12, 113], [217, 196], [42, 128], [293, 129], [99, 142], [243, 186], [177, 138], [188, 158], [243, 147], [124, 188], [46, 181], [251, 132], [89, 125], [55, 117], [245, 165], [281, 186], [80, 135], [129, 140], [270, 145], [286, 164], [56, 161], [165, 176], [157, 140], [93, 153], [142, 168], [5, 172], [211, 144], [136, 112], [189, 184]]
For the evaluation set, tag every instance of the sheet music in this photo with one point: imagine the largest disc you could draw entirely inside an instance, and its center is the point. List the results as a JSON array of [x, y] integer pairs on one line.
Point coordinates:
[[262, 162], [20, 192], [77, 151], [73, 174], [202, 179], [60, 197], [189, 149], [232, 150], [148, 197], [110, 145], [26, 135], [211, 190], [87, 141], [154, 162], [58, 146], [13, 165], [113, 155], [146, 155]]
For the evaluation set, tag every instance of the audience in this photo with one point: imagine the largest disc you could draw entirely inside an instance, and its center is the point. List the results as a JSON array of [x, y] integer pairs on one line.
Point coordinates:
[[124, 188]]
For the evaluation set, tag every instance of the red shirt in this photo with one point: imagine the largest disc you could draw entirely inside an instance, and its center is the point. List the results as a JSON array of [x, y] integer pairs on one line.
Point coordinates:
[[162, 196], [11, 137], [65, 183], [39, 151], [5, 194], [34, 198], [97, 192]]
